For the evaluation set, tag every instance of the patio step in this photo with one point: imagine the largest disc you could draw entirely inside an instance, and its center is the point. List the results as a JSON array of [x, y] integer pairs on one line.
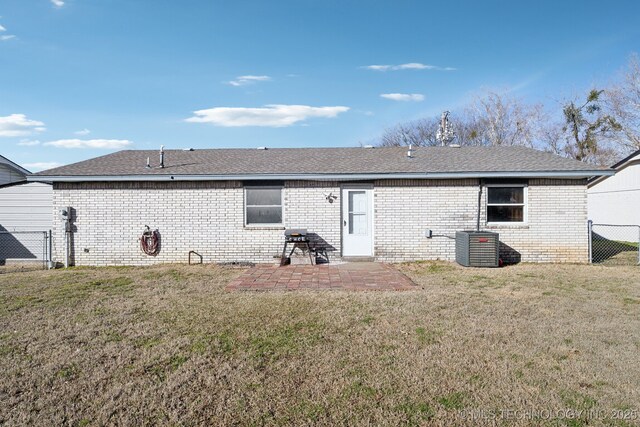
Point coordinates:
[[358, 259]]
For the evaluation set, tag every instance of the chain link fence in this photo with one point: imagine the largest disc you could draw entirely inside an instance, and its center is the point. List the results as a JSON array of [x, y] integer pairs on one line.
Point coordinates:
[[24, 250], [614, 244]]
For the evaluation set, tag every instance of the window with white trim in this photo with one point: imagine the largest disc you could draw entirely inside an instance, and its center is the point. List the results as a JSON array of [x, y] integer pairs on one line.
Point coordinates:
[[506, 204], [263, 205]]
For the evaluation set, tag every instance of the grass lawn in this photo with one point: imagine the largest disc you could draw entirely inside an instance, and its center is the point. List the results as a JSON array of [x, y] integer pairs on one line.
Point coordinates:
[[167, 345]]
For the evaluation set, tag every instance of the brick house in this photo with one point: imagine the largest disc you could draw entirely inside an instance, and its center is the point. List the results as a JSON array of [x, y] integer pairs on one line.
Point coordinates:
[[232, 205]]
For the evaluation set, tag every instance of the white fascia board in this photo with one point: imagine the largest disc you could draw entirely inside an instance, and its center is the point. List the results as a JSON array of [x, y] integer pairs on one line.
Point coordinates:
[[322, 177]]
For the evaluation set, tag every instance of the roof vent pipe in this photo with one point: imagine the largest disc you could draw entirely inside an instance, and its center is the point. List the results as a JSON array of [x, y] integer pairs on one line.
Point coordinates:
[[148, 163], [410, 153], [162, 156]]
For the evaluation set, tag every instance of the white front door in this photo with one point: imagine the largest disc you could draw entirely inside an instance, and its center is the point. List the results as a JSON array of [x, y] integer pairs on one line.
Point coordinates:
[[357, 222]]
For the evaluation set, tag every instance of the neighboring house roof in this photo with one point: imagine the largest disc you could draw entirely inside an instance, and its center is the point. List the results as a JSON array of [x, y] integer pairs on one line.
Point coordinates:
[[16, 167], [631, 159], [24, 182], [323, 163], [627, 159]]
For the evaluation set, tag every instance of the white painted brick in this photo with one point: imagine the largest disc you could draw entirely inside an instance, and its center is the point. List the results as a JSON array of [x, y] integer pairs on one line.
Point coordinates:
[[208, 217]]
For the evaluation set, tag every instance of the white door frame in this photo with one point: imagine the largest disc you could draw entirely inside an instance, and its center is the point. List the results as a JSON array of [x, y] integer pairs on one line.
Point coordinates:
[[344, 189]]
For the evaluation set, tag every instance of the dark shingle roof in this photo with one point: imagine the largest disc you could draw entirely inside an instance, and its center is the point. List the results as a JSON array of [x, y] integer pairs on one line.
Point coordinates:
[[337, 161], [14, 166]]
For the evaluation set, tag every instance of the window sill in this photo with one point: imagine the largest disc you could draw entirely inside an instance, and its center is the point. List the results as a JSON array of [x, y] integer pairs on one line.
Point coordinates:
[[506, 225], [264, 227]]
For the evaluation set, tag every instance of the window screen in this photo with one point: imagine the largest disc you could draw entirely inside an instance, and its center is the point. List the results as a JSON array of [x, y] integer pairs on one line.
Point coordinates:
[[505, 204], [263, 205]]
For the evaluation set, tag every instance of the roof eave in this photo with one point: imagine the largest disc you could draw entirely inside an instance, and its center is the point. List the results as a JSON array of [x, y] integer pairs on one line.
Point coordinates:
[[16, 167], [620, 166], [322, 177]]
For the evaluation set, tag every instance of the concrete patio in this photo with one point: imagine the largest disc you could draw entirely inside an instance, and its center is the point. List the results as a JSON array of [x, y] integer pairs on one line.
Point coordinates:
[[362, 276]]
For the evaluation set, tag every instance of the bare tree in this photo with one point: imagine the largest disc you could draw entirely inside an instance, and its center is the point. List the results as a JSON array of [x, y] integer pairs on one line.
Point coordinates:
[[586, 131], [491, 119], [419, 133], [553, 138], [622, 101], [500, 119]]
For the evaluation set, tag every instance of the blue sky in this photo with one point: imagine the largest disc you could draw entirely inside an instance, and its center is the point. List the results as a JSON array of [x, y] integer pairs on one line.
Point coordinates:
[[82, 78]]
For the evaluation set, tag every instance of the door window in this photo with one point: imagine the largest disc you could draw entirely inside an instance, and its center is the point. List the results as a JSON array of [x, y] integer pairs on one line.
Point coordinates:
[[358, 212]]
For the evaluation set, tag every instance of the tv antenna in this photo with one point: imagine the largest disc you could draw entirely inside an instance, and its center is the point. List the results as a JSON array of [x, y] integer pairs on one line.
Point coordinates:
[[445, 133]]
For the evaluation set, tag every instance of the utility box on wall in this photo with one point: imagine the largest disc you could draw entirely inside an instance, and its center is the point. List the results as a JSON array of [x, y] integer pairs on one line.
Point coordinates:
[[477, 248]]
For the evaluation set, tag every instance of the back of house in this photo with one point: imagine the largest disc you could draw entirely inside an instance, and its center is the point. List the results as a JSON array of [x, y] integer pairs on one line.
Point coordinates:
[[385, 204]]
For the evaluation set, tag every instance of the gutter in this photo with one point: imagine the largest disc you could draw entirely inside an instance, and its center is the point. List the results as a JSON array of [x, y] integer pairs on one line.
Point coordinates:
[[320, 177]]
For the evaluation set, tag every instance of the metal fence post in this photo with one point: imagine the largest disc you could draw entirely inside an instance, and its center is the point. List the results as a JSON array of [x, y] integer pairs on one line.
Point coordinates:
[[50, 257], [590, 231], [44, 250]]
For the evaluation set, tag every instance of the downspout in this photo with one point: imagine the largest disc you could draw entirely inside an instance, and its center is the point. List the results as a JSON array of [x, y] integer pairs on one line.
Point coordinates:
[[67, 239], [479, 204], [66, 249], [66, 215]]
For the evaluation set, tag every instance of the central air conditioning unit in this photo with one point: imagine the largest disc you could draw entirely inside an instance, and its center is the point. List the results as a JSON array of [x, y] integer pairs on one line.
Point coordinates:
[[477, 249]]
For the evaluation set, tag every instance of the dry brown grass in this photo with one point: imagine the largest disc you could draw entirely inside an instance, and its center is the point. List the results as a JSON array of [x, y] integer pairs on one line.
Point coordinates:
[[167, 345]]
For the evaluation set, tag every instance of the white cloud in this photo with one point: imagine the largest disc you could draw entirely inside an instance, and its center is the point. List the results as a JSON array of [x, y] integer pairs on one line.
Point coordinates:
[[28, 143], [378, 67], [415, 66], [2, 28], [82, 132], [7, 37], [274, 115], [403, 96], [18, 125], [38, 166], [407, 66], [57, 3], [247, 80], [111, 144]]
